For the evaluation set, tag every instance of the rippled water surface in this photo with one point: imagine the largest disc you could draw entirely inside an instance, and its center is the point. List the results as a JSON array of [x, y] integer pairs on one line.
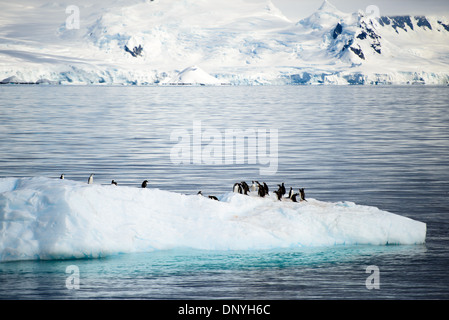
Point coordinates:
[[381, 146]]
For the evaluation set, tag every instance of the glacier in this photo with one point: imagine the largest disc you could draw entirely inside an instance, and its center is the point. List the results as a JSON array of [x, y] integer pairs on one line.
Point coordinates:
[[46, 218], [237, 42]]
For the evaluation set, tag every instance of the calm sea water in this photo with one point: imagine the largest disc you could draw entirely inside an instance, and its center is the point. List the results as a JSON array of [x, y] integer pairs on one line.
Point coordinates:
[[382, 146]]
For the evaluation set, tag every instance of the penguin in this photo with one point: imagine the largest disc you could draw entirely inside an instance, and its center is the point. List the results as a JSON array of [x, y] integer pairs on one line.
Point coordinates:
[[282, 187], [258, 186], [144, 183], [91, 179], [261, 190], [237, 188], [213, 198], [62, 176], [302, 193], [199, 193], [290, 193], [245, 187], [113, 182], [265, 188], [278, 194], [253, 186], [294, 197]]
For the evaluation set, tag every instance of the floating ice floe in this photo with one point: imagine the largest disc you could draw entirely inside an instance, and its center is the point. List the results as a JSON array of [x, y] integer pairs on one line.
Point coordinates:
[[42, 218]]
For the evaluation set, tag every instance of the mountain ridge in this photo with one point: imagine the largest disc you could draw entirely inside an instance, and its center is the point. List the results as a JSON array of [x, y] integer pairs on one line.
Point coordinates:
[[153, 42]]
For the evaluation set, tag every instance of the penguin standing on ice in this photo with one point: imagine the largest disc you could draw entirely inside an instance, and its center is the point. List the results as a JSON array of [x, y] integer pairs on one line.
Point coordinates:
[[265, 187], [261, 190], [290, 193], [282, 188], [113, 182], [91, 179], [245, 187], [144, 183], [237, 188], [278, 194], [253, 187], [294, 197], [62, 176], [302, 193]]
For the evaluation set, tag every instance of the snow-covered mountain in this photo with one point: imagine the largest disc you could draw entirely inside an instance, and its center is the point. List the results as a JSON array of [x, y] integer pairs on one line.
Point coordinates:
[[216, 42]]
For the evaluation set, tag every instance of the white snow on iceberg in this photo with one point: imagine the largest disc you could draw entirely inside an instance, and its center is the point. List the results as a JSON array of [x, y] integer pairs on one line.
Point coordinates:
[[42, 218]]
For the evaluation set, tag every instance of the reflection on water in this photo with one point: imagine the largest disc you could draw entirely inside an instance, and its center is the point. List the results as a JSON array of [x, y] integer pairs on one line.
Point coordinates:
[[288, 273]]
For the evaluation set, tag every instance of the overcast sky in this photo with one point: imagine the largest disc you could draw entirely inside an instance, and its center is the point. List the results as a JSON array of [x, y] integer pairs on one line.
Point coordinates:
[[298, 9]]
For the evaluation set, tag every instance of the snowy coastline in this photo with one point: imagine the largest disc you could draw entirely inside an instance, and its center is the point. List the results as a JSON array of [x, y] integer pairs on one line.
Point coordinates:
[[165, 42]]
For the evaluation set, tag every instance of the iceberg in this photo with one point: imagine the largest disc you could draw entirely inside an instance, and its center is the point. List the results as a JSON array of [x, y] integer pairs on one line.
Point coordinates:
[[44, 218]]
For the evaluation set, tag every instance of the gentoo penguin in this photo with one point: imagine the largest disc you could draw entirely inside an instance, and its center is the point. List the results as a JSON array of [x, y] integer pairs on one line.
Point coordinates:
[[261, 190], [144, 183], [294, 197], [303, 195], [265, 187], [113, 182], [253, 186], [282, 187], [62, 176], [237, 188], [91, 179], [278, 194], [245, 187]]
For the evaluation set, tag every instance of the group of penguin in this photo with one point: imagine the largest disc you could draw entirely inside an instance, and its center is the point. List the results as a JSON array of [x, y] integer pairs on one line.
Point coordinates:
[[242, 188], [90, 180], [262, 190]]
